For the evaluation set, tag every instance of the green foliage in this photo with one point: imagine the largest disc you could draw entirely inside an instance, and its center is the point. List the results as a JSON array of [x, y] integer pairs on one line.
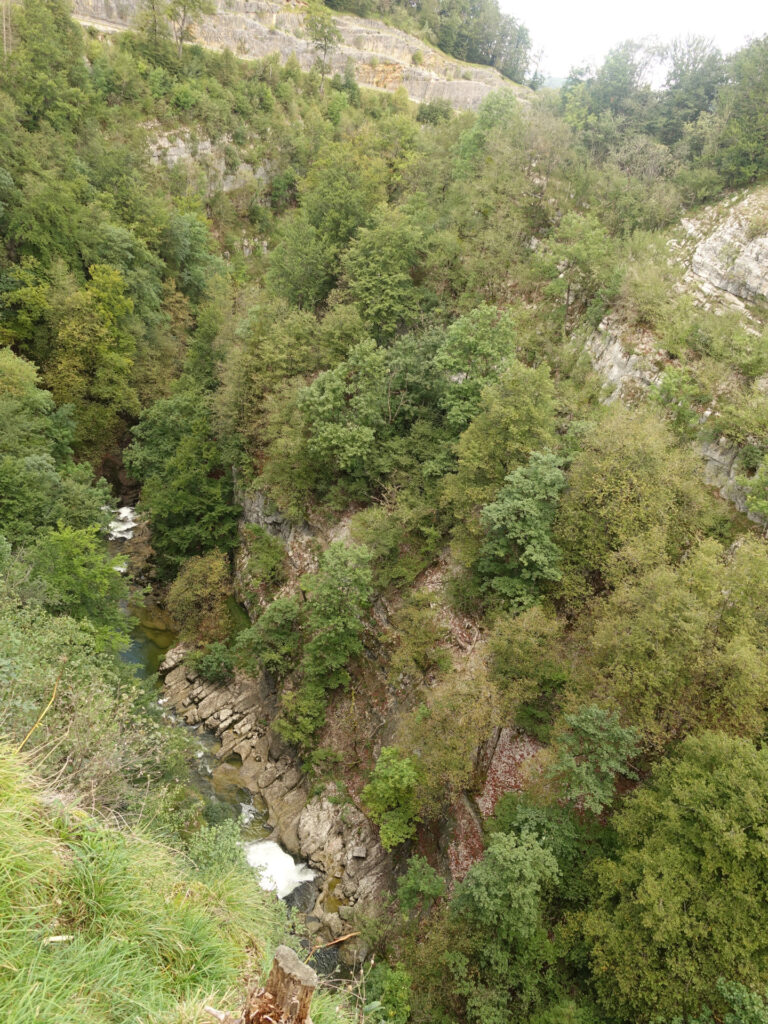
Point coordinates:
[[420, 886], [215, 663], [301, 266], [215, 849], [337, 596], [591, 752], [273, 642], [632, 501], [581, 258], [389, 991], [381, 267], [744, 1006], [471, 355], [390, 797], [740, 153], [266, 557], [516, 418], [187, 485], [443, 734], [529, 667], [518, 557], [680, 906], [102, 737], [502, 943], [40, 486], [420, 640], [708, 671], [197, 598], [143, 935], [71, 574]]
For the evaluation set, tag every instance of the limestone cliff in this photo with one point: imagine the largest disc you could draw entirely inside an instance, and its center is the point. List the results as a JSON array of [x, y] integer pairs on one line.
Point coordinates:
[[383, 57], [723, 253]]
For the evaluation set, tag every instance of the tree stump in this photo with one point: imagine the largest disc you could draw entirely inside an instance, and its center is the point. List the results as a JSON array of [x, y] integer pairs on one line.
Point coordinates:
[[286, 997]]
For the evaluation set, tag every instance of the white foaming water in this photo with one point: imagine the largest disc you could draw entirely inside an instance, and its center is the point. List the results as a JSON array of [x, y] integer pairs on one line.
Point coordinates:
[[122, 527], [278, 870]]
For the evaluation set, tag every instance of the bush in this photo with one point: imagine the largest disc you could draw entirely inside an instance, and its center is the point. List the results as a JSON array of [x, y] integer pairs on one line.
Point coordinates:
[[266, 557], [390, 797], [420, 886], [215, 663], [197, 598]]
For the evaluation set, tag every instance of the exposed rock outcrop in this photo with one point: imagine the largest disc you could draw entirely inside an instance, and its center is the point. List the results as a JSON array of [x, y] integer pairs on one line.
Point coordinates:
[[205, 157], [734, 257], [329, 832], [628, 362], [383, 57]]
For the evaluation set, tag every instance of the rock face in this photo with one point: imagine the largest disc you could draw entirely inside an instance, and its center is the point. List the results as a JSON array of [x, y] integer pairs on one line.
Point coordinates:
[[383, 57], [206, 157], [734, 257], [627, 364], [334, 837]]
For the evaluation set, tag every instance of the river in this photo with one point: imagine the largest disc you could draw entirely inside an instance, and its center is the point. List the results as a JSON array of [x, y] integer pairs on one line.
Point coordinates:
[[217, 783]]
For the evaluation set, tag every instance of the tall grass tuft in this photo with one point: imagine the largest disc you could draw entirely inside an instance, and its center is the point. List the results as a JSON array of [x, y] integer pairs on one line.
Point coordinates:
[[100, 924]]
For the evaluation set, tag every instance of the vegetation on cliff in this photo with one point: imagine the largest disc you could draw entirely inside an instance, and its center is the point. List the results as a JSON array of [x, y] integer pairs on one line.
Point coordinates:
[[375, 316]]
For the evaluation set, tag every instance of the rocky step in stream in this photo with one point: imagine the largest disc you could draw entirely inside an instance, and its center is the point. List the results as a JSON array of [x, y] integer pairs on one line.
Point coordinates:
[[216, 780], [332, 836]]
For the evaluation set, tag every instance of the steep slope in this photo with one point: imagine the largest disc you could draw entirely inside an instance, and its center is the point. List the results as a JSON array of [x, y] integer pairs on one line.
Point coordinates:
[[383, 57]]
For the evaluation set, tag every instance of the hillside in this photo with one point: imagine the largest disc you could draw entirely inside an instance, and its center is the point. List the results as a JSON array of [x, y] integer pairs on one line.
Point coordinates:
[[443, 443], [382, 57]]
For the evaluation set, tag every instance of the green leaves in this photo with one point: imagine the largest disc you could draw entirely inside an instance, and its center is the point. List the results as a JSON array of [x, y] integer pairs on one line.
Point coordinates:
[[518, 556], [592, 751], [683, 903], [337, 597], [390, 797]]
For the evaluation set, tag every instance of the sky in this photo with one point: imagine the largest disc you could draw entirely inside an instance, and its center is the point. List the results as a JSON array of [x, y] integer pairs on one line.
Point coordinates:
[[575, 32]]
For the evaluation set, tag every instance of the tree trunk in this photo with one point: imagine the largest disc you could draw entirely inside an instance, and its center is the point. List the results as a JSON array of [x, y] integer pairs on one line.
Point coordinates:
[[287, 994]]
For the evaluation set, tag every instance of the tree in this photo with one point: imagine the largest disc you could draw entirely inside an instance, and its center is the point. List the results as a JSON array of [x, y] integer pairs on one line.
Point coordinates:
[[741, 118], [516, 418], [152, 20], [186, 477], [183, 14], [73, 574], [518, 556], [591, 752], [390, 797], [581, 260], [471, 354], [682, 905], [681, 649], [420, 886], [632, 500], [197, 598], [345, 410], [337, 597], [322, 31], [498, 913], [381, 268], [301, 264], [93, 358]]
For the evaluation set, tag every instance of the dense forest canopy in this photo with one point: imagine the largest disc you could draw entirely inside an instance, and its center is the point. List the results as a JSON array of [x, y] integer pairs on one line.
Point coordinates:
[[376, 317]]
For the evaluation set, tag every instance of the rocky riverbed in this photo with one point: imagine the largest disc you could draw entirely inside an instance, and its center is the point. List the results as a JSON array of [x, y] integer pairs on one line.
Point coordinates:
[[327, 831]]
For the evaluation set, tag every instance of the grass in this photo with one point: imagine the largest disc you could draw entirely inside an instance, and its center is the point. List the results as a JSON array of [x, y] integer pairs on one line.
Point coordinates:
[[99, 924]]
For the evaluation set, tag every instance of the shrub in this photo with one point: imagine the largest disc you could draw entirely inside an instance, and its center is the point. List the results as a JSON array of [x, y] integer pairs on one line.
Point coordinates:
[[390, 797], [420, 886], [197, 598], [215, 663]]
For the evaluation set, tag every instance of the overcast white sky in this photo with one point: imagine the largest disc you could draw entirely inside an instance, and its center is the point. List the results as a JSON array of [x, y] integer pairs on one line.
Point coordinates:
[[574, 32]]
